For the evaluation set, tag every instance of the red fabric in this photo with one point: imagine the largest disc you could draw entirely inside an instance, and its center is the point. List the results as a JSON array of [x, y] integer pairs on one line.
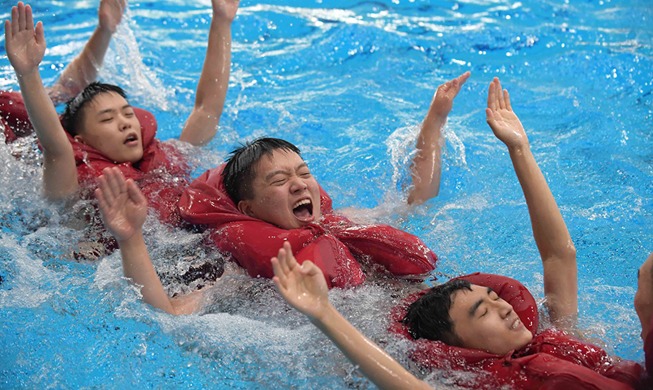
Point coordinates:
[[13, 116], [553, 359], [331, 244], [161, 174]]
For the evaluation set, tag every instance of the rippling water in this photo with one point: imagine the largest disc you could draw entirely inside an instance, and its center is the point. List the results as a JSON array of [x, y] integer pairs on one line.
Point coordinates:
[[348, 82]]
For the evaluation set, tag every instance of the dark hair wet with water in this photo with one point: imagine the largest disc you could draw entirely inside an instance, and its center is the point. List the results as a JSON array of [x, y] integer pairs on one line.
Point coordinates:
[[239, 172], [428, 317], [72, 115]]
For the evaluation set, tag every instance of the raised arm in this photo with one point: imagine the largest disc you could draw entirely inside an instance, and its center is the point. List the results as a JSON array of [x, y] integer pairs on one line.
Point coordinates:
[[84, 68], [202, 124], [426, 168], [551, 235], [25, 46], [124, 208], [305, 289]]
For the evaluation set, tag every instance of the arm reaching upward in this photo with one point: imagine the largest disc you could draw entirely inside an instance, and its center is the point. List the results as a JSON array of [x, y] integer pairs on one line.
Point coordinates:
[[84, 68], [553, 241], [25, 46], [305, 289], [427, 164], [202, 124], [124, 208]]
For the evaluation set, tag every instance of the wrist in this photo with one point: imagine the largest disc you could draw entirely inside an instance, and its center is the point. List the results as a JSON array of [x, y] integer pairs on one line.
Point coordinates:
[[132, 240]]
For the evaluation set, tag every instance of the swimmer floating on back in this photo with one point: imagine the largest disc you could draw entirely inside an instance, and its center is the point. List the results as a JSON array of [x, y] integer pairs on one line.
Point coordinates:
[[475, 317], [99, 119]]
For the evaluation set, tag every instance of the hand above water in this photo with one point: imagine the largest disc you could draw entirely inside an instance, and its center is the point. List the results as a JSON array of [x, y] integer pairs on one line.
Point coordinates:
[[122, 204], [25, 43]]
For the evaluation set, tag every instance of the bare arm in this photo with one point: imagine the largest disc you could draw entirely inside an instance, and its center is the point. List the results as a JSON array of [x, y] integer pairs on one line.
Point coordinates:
[[25, 45], [305, 289], [427, 165], [202, 124], [124, 208], [549, 230], [84, 68]]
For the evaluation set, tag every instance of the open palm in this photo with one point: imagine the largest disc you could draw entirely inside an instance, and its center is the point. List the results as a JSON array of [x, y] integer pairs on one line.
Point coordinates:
[[25, 44], [502, 120], [122, 204]]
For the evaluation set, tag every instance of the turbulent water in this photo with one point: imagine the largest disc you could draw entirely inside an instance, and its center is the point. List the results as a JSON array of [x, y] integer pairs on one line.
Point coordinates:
[[349, 83]]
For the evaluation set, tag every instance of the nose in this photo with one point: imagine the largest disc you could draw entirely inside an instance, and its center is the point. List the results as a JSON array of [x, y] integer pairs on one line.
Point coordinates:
[[124, 123], [297, 184], [505, 309]]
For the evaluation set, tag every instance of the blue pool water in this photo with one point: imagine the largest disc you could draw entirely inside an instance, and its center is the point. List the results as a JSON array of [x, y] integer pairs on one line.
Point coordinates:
[[348, 82]]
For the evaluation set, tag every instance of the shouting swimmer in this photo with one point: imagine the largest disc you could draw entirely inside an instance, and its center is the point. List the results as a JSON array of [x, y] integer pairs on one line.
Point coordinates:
[[265, 194]]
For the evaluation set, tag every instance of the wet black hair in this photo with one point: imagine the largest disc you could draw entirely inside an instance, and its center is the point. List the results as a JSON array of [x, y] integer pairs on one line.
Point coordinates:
[[239, 173], [71, 117], [428, 317]]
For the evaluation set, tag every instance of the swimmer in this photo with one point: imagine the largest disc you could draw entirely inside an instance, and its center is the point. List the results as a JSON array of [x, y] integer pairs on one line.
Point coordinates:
[[99, 118], [472, 316], [266, 194]]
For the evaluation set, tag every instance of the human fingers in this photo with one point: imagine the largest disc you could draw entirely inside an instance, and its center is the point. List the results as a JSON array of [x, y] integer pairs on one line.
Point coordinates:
[[499, 94], [21, 16], [506, 98], [491, 101], [283, 261], [14, 20], [135, 193], [463, 78], [290, 258], [29, 20], [105, 189], [279, 276], [117, 181]]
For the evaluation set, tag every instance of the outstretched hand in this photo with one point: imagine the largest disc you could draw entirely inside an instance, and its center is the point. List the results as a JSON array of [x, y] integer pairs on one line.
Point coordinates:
[[122, 204], [110, 14], [442, 102], [302, 286], [502, 120], [225, 9], [25, 43]]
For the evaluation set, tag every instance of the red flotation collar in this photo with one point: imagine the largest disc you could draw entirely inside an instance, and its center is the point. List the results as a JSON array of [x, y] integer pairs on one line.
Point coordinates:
[[553, 360], [331, 244]]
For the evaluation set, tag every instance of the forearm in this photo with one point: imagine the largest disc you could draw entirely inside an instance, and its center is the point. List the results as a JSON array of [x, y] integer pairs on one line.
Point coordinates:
[[375, 363], [137, 266], [212, 87], [427, 165], [84, 68], [551, 236], [60, 172]]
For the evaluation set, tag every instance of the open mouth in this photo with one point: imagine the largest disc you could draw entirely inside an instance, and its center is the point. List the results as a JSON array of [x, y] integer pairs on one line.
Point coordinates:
[[516, 324], [303, 210], [132, 138]]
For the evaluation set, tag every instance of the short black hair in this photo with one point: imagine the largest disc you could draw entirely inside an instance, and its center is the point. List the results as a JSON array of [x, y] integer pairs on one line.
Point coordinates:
[[428, 317], [72, 115], [239, 173]]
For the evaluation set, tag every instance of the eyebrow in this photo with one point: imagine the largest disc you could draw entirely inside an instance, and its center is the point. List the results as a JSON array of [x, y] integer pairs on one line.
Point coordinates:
[[283, 171], [472, 310]]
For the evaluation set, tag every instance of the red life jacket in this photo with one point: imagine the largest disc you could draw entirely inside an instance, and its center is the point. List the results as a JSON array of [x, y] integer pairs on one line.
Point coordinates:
[[161, 174], [552, 360], [331, 244]]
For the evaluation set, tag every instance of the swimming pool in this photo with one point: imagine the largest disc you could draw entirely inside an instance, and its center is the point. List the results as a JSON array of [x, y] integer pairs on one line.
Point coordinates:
[[347, 82]]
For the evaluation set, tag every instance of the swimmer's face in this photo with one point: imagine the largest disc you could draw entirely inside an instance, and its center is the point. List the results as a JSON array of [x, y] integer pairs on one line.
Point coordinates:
[[644, 295], [109, 124], [484, 321], [285, 192]]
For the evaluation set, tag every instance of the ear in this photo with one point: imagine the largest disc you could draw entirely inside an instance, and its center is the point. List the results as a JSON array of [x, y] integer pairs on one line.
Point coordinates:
[[79, 139], [245, 207]]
